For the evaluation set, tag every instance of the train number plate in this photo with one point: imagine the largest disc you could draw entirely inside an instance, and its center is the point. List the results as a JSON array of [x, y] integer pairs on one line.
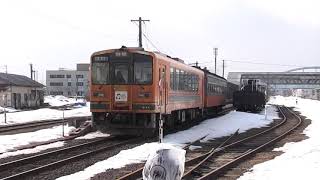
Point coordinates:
[[121, 96]]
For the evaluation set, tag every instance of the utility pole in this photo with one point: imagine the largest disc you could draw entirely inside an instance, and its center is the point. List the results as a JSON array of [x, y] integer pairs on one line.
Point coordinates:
[[215, 50], [5, 99], [140, 29], [31, 71], [222, 68]]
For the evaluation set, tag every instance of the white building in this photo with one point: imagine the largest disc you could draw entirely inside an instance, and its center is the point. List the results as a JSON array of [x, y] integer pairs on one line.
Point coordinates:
[[20, 92], [68, 82], [308, 93]]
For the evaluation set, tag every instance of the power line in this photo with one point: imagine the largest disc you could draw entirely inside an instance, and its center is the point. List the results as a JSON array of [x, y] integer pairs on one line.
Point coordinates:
[[151, 42], [251, 62], [269, 64], [148, 39], [140, 29]]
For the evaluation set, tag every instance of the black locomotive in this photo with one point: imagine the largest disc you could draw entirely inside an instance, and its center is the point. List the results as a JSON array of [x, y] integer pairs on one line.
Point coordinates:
[[251, 96]]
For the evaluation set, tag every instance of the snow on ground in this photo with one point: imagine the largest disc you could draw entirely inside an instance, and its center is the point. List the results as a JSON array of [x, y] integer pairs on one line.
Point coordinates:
[[44, 114], [301, 160], [93, 135], [8, 109], [10, 142], [62, 100], [81, 108], [32, 150], [221, 126], [213, 128]]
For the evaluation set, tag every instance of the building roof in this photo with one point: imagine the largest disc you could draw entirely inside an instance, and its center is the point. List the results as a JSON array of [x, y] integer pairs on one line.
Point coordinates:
[[18, 80], [83, 67]]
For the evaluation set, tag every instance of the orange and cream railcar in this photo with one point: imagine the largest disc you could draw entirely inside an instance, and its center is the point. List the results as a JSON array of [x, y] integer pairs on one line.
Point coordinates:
[[215, 92], [130, 87]]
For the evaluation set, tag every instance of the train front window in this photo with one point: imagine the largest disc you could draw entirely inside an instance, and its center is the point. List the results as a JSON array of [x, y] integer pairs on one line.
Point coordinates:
[[100, 71], [142, 69], [121, 73]]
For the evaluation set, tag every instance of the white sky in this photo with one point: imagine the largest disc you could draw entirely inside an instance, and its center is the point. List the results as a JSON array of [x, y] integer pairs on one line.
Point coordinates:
[[57, 33]]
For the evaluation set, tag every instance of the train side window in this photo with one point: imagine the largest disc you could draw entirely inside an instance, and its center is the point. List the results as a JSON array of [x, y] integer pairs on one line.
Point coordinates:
[[196, 83], [186, 81], [177, 79], [192, 83], [181, 81], [172, 78]]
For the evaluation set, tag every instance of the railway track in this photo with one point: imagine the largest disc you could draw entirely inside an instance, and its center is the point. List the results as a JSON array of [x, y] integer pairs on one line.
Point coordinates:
[[31, 125], [216, 163], [212, 164], [21, 168]]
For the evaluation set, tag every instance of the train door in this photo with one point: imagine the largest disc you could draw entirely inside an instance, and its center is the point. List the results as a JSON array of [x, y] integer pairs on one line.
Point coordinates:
[[162, 89]]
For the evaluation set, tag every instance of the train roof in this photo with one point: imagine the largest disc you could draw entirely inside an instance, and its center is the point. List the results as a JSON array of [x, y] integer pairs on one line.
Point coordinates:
[[206, 71], [154, 53], [159, 54]]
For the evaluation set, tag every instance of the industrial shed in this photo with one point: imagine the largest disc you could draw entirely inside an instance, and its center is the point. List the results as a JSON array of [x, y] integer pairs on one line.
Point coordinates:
[[20, 92]]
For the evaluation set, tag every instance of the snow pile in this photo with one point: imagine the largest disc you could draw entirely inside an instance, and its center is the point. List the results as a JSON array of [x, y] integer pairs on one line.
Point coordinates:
[[222, 126], [166, 164], [62, 101], [124, 157], [93, 135], [10, 142], [8, 109], [213, 128], [32, 150], [44, 114], [301, 160]]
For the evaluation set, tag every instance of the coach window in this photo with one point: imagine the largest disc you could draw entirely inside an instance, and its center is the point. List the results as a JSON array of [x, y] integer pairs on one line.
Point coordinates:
[[188, 82], [172, 70], [186, 79], [121, 72], [142, 69], [193, 82], [197, 83], [181, 74], [177, 79], [100, 70]]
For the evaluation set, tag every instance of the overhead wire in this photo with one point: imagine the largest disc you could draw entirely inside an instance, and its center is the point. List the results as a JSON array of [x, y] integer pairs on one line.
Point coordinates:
[[152, 44], [250, 62]]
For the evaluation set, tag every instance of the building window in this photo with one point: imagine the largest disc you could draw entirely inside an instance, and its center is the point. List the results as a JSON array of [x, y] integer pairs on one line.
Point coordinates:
[[26, 98], [56, 83], [69, 93], [68, 76], [80, 93], [79, 83], [69, 83], [33, 95], [56, 93], [56, 75], [79, 76]]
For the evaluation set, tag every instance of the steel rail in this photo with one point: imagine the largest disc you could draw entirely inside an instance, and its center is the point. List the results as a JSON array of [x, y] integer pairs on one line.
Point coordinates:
[[7, 128], [136, 174], [66, 160], [210, 154], [213, 174], [38, 156]]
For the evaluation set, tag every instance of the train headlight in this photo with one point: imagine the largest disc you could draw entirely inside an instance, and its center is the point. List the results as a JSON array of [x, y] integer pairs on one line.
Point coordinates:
[[144, 94], [98, 94], [144, 106]]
